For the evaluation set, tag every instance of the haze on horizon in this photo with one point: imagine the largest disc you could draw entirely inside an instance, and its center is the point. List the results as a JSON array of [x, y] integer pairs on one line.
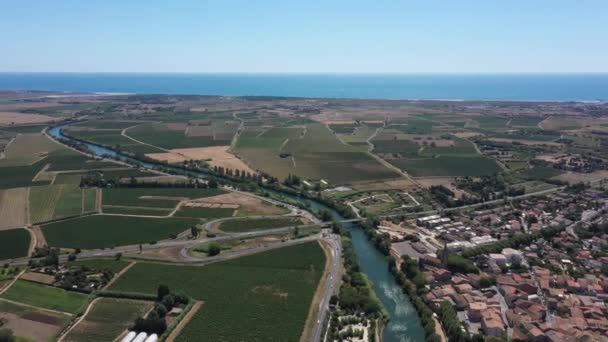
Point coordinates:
[[313, 36]]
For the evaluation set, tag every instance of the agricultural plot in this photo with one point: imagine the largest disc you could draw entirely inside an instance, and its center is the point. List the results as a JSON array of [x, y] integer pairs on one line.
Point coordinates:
[[113, 139], [153, 197], [403, 147], [248, 225], [13, 208], [316, 155], [460, 147], [204, 213], [65, 160], [448, 166], [45, 297], [489, 122], [414, 126], [381, 202], [20, 176], [137, 211], [30, 324], [538, 173], [163, 136], [14, 243], [108, 124], [243, 297], [27, 149], [107, 319], [103, 231], [57, 201]]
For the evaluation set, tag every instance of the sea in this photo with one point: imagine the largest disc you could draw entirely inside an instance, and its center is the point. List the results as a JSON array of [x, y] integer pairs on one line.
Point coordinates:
[[506, 87]]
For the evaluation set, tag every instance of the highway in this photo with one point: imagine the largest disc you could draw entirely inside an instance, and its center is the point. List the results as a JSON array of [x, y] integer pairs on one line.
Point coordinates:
[[331, 286]]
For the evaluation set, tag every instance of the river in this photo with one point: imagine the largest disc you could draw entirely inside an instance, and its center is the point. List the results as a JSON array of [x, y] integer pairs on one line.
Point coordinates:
[[404, 324]]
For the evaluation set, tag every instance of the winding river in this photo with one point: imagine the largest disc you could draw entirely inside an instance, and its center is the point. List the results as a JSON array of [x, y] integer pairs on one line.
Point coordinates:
[[404, 324]]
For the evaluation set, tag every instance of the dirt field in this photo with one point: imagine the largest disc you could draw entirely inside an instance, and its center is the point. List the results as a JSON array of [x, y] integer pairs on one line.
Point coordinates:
[[217, 156], [9, 118], [575, 177], [466, 135], [36, 326], [445, 181], [244, 202], [13, 208], [36, 277]]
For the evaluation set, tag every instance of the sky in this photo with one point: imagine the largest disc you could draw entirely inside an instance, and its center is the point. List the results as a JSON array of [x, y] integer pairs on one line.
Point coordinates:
[[306, 36]]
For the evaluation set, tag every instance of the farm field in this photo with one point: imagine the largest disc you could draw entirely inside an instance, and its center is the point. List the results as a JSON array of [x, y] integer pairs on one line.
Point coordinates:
[[137, 211], [13, 207], [57, 201], [103, 231], [163, 136], [204, 213], [113, 139], [45, 297], [448, 166], [20, 176], [30, 324], [154, 197], [14, 243], [248, 225], [107, 319], [243, 297], [27, 149]]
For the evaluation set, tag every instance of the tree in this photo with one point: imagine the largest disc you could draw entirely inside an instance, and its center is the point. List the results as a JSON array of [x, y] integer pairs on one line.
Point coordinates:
[[162, 291], [194, 231], [212, 184], [214, 249], [6, 335]]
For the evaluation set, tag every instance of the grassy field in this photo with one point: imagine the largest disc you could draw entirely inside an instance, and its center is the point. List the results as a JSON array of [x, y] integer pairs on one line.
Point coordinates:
[[404, 147], [14, 243], [132, 196], [245, 297], [70, 202], [206, 213], [448, 166], [103, 231], [42, 202], [248, 225], [45, 296], [107, 319]]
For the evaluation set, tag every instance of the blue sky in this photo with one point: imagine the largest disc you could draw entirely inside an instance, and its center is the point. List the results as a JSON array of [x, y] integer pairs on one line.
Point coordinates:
[[372, 36]]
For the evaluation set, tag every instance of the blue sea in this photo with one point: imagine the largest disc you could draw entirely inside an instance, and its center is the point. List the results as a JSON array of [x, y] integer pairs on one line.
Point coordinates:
[[512, 87]]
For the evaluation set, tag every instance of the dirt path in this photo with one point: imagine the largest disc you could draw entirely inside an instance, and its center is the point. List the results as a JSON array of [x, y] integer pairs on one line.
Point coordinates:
[[33, 241], [180, 326], [313, 312], [98, 200], [124, 134], [11, 283], [86, 312], [28, 219], [40, 239], [118, 275]]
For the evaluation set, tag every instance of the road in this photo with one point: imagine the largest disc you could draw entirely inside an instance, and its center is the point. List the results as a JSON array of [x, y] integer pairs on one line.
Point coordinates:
[[332, 285]]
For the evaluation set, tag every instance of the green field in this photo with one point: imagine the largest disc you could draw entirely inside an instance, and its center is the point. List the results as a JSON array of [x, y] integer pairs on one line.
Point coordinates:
[[20, 176], [248, 225], [114, 139], [107, 319], [46, 297], [57, 201], [206, 213], [132, 196], [27, 149], [406, 148], [14, 243], [137, 211], [103, 231], [70, 202], [448, 166], [244, 298], [538, 173]]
